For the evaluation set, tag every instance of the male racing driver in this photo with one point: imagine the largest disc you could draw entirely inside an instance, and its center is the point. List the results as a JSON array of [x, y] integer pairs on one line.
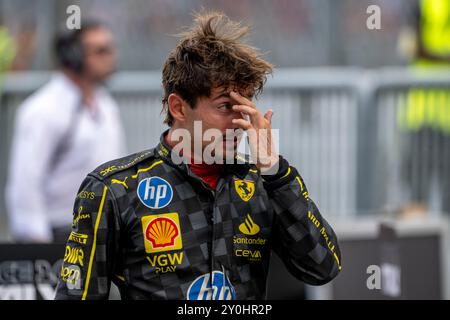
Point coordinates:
[[161, 228]]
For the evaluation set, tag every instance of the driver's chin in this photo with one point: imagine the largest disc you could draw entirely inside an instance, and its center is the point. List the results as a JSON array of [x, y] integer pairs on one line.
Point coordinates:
[[229, 153], [223, 154]]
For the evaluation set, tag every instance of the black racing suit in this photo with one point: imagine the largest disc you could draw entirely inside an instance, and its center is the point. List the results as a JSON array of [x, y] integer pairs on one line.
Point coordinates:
[[159, 232]]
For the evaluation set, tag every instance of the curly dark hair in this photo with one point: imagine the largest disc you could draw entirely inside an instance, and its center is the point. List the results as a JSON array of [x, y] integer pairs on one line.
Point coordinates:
[[211, 54]]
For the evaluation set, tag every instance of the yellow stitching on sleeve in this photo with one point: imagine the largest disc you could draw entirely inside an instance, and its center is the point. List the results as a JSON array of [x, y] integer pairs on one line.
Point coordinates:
[[300, 183], [287, 173], [94, 244]]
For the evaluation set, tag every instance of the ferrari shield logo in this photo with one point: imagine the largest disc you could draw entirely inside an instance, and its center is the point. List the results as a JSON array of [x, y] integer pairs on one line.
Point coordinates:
[[245, 189]]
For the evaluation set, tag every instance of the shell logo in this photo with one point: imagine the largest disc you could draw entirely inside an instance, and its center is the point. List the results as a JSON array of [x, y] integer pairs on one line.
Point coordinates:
[[162, 232]]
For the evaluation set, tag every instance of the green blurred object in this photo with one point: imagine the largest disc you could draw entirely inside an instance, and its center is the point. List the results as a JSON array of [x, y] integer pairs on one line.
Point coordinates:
[[7, 54], [7, 50]]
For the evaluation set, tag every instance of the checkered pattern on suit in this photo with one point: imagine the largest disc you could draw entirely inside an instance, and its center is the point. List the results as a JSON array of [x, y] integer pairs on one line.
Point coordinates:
[[226, 230]]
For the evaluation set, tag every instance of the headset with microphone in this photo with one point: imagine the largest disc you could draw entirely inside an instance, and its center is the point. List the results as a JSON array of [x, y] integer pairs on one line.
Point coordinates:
[[69, 47]]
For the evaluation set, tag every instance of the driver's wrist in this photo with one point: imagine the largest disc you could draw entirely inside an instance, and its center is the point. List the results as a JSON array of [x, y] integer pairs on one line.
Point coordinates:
[[269, 166]]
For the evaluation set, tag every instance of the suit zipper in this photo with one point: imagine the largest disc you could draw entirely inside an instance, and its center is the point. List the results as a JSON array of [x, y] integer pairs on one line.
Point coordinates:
[[207, 187], [213, 236]]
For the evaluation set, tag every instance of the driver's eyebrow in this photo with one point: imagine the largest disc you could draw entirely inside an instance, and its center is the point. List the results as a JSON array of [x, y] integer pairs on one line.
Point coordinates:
[[222, 95], [226, 94]]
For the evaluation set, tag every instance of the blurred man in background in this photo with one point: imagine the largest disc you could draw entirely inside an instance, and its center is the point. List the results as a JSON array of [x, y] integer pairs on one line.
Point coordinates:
[[62, 132], [425, 116]]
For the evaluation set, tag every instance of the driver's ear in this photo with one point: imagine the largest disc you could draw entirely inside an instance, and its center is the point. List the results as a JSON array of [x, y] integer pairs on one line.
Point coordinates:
[[177, 107]]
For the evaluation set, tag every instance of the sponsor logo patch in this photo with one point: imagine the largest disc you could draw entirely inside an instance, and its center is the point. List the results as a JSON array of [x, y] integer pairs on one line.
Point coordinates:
[[74, 255], [249, 227], [251, 255], [164, 263], [71, 275], [162, 232], [244, 244], [78, 237], [122, 182], [155, 192], [86, 195], [245, 189], [80, 216], [218, 287]]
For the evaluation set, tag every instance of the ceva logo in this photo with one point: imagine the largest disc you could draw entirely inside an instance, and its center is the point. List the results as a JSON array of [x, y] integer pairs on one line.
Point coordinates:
[[217, 288], [155, 192]]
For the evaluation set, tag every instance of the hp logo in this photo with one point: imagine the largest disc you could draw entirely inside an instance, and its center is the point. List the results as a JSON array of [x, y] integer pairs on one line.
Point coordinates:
[[155, 192], [219, 288]]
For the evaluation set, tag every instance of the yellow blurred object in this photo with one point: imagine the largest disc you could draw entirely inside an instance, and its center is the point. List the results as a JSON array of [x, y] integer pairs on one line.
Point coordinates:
[[426, 108], [7, 50], [430, 107], [435, 29]]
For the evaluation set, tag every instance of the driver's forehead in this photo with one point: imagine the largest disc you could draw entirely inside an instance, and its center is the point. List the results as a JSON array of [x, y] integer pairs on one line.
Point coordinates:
[[224, 91]]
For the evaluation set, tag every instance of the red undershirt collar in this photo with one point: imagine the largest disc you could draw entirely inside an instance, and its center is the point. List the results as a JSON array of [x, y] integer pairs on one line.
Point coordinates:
[[209, 173]]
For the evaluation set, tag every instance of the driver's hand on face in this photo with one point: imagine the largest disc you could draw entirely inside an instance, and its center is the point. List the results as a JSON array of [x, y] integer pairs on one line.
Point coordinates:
[[258, 129]]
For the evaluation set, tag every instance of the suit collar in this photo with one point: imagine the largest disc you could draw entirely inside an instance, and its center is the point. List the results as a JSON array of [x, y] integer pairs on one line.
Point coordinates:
[[240, 167]]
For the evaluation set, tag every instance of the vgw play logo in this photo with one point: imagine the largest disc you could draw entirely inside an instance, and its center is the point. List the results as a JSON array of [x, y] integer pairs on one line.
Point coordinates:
[[217, 288], [155, 192]]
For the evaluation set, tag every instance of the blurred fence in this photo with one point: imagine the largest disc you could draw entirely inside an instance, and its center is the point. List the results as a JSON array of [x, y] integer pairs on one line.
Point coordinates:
[[316, 32], [339, 127], [406, 160]]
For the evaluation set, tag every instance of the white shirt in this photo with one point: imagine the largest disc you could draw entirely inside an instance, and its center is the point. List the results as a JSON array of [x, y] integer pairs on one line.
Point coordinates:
[[41, 191]]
